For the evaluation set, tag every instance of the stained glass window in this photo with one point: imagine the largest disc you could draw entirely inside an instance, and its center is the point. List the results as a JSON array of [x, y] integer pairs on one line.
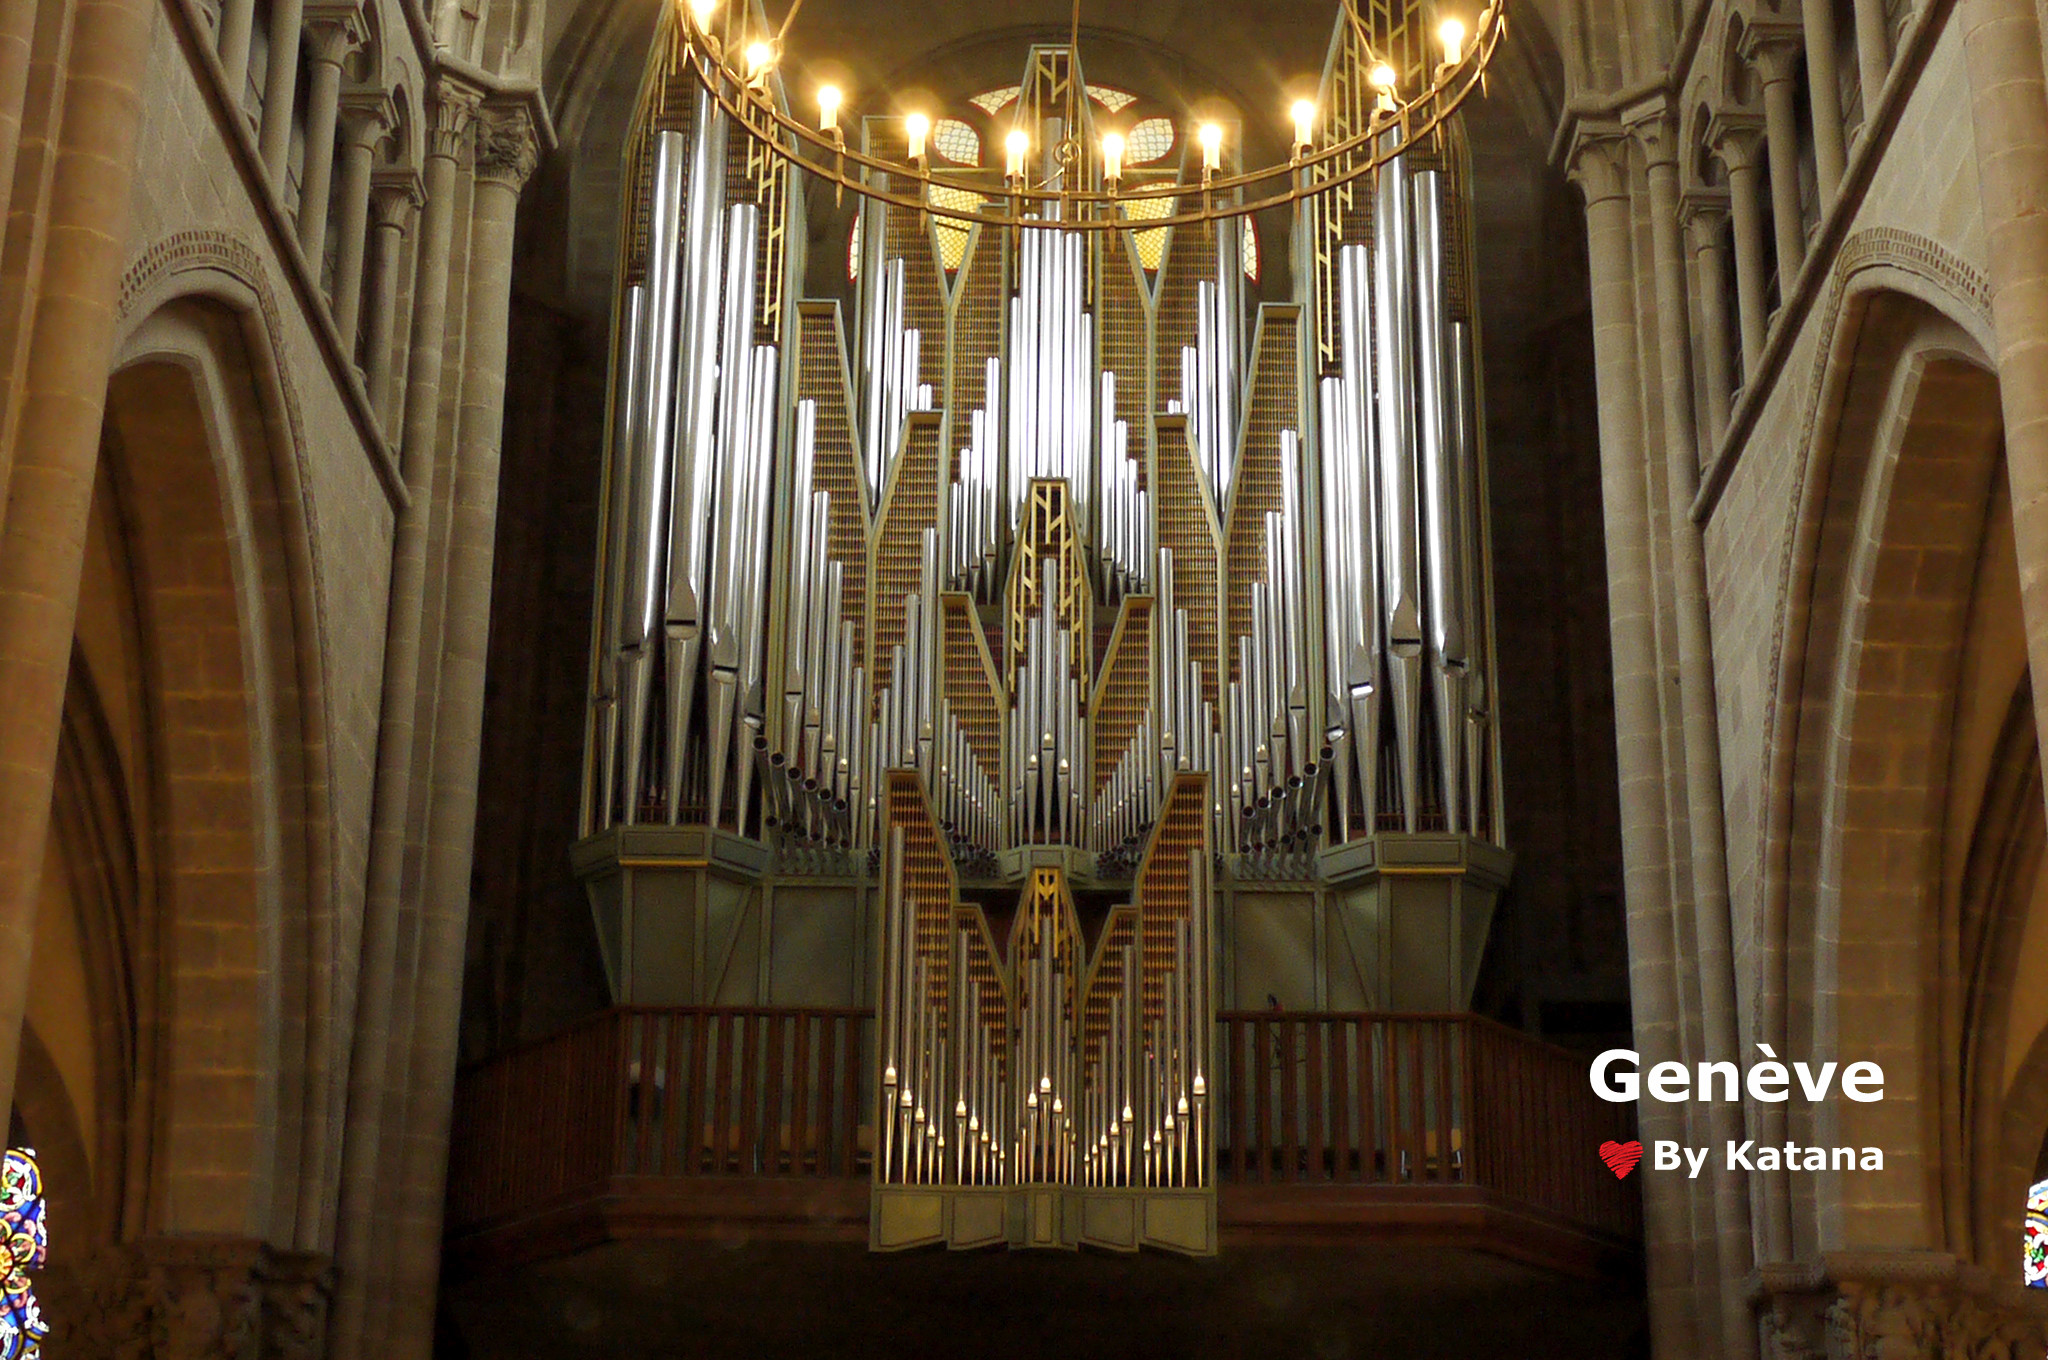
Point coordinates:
[[951, 231], [956, 142], [24, 1243], [1116, 101], [853, 250], [1250, 250], [988, 101], [2037, 1236], [1151, 244], [1149, 140]]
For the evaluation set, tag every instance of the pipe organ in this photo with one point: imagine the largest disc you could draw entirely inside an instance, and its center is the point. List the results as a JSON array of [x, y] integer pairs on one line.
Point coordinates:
[[1100, 646]]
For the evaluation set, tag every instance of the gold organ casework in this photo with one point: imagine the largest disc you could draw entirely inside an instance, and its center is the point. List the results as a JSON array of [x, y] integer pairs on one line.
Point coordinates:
[[1068, 645]]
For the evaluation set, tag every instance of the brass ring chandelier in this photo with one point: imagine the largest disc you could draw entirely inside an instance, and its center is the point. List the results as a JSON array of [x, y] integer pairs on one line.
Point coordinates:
[[1082, 188]]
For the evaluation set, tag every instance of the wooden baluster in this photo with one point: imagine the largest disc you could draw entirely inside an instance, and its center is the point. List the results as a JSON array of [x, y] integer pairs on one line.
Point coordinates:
[[747, 1130], [1316, 1119], [775, 1109], [1345, 1129], [617, 1033], [1290, 1116], [646, 1060], [1262, 1070], [1447, 1170], [699, 1137], [1417, 1102], [1386, 1110], [850, 1128], [800, 1099]]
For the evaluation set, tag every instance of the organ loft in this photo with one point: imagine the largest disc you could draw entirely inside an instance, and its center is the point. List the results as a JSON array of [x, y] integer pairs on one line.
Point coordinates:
[[1041, 640]]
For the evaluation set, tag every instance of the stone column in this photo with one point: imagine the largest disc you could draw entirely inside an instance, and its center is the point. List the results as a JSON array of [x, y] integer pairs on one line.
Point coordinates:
[[1824, 94], [330, 40], [1776, 57], [1737, 148], [237, 24], [1713, 935], [17, 46], [397, 199], [506, 153], [54, 455], [1706, 213], [1600, 168], [281, 88], [364, 1202], [365, 121], [2002, 47], [1873, 54]]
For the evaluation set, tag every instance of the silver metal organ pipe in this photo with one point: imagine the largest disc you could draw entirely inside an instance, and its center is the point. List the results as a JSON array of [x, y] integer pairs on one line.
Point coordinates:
[[628, 498], [695, 450], [1394, 348], [1443, 511], [655, 433]]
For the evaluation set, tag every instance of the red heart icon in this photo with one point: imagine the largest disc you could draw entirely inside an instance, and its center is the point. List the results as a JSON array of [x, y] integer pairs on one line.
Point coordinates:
[[1621, 1158]]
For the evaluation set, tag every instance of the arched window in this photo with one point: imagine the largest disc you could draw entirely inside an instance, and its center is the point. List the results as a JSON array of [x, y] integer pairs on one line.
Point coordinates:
[[2036, 1255]]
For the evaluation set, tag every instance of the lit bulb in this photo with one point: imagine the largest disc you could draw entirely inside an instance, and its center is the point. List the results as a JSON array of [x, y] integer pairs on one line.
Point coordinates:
[[1016, 145], [1453, 35], [828, 107], [917, 127], [702, 10], [1211, 137], [1304, 112], [1112, 156], [759, 55], [1384, 80]]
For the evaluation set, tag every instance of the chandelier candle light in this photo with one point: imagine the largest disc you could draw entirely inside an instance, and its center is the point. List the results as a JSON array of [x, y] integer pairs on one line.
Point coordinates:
[[1095, 196]]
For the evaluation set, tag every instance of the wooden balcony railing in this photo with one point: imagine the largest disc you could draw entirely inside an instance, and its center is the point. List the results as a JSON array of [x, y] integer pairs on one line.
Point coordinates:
[[752, 1095], [1415, 1100], [663, 1092]]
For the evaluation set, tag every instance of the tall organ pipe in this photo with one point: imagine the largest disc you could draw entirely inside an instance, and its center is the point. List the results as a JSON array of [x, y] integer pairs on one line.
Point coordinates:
[[1443, 508], [1400, 551], [656, 438]]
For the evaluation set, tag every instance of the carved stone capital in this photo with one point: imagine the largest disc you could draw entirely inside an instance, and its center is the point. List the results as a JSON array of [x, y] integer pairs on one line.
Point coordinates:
[[1737, 138], [189, 1298], [332, 32], [1655, 129], [450, 108], [367, 117], [507, 145], [1895, 1306], [395, 195], [1703, 211], [1773, 47], [1599, 161]]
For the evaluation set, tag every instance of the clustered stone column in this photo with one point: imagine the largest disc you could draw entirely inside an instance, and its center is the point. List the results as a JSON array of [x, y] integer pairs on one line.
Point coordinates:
[[1600, 166], [1712, 943], [505, 156], [454, 105], [53, 456], [2002, 44]]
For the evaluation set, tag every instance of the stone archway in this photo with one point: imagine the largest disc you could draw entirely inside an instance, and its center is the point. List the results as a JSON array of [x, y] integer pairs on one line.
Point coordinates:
[[187, 458], [1903, 525]]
